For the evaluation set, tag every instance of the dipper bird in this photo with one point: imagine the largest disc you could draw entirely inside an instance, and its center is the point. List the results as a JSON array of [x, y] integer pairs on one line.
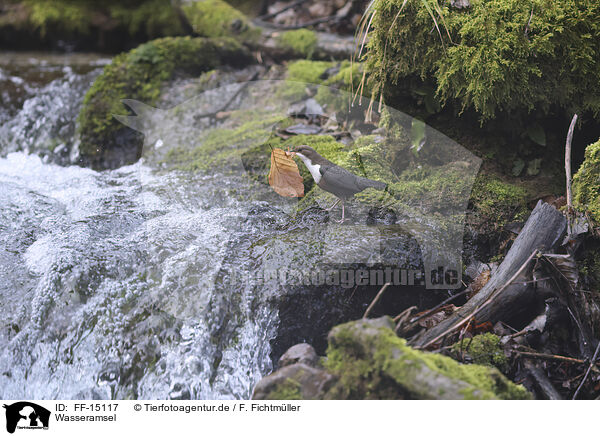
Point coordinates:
[[333, 178]]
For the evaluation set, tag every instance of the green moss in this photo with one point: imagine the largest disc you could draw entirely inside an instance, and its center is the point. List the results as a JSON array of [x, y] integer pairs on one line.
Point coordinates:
[[348, 80], [227, 147], [151, 18], [217, 18], [379, 364], [289, 389], [500, 55], [307, 71], [139, 74], [301, 42], [497, 202], [75, 16], [298, 74], [589, 266], [586, 183], [483, 349]]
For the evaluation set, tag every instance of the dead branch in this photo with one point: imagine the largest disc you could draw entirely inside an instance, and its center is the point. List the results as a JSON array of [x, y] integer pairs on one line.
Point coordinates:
[[501, 299], [587, 372], [376, 299], [568, 168]]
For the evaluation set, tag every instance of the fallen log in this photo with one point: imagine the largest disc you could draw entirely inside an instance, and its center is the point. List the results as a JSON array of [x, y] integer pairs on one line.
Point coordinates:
[[508, 293]]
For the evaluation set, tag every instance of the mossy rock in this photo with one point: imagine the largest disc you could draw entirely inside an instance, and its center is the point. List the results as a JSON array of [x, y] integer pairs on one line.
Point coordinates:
[[216, 18], [300, 42], [246, 142], [484, 349], [496, 202], [372, 362], [586, 183], [139, 75], [495, 56]]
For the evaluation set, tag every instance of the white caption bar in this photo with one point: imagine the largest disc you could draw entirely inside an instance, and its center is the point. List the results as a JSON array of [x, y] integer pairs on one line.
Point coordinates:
[[294, 417]]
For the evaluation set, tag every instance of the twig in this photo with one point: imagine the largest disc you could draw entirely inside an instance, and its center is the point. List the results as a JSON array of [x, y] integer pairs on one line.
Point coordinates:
[[243, 86], [544, 356], [375, 300], [568, 170], [434, 309], [587, 372], [529, 22], [403, 316], [404, 313], [331, 18], [489, 300]]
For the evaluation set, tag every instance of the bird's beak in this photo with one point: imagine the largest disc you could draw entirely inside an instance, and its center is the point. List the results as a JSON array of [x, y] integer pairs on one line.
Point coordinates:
[[290, 153]]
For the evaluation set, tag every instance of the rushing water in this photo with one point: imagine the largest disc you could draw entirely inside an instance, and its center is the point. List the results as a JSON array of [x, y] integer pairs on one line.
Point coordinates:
[[111, 286]]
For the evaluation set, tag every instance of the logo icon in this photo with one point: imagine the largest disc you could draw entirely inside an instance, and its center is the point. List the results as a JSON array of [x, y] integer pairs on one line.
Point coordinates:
[[26, 415]]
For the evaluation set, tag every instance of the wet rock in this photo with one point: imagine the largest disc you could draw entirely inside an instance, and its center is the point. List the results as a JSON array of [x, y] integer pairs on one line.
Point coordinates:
[[299, 353], [294, 382], [179, 391]]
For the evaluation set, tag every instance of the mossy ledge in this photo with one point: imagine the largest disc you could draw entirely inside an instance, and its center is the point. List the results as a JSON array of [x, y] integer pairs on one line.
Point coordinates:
[[139, 75], [586, 183]]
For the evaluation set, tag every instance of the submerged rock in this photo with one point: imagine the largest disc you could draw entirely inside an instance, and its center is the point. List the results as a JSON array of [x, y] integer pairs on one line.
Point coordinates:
[[367, 360]]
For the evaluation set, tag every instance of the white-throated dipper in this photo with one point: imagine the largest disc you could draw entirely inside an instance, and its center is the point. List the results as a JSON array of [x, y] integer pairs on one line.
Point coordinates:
[[333, 178]]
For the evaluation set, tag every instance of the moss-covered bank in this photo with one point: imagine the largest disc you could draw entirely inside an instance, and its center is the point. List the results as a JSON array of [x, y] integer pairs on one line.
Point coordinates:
[[111, 25], [496, 56], [586, 183], [114, 25], [139, 75]]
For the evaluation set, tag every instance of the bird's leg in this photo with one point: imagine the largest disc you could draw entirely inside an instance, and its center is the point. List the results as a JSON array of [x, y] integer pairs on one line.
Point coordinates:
[[342, 220], [333, 205]]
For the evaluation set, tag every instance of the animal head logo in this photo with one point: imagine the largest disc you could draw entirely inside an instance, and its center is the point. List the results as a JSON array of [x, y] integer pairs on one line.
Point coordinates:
[[26, 415], [232, 129]]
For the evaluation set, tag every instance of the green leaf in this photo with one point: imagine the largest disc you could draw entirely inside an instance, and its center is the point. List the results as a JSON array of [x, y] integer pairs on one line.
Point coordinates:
[[534, 167], [417, 136], [537, 134], [518, 166]]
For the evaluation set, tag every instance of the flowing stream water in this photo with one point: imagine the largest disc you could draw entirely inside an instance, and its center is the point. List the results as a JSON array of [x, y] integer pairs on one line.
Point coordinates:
[[109, 288]]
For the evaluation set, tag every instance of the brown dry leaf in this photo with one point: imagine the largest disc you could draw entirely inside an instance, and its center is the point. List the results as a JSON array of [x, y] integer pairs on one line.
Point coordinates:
[[284, 177], [479, 283]]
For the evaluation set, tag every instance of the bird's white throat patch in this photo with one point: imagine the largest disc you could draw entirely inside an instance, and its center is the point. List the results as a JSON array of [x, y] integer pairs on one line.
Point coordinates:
[[314, 169]]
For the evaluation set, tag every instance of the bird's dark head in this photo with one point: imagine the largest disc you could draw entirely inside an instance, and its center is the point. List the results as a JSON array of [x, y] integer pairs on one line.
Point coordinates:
[[308, 152]]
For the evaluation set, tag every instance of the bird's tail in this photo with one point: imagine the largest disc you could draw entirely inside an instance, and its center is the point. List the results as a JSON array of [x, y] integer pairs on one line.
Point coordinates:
[[368, 183]]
